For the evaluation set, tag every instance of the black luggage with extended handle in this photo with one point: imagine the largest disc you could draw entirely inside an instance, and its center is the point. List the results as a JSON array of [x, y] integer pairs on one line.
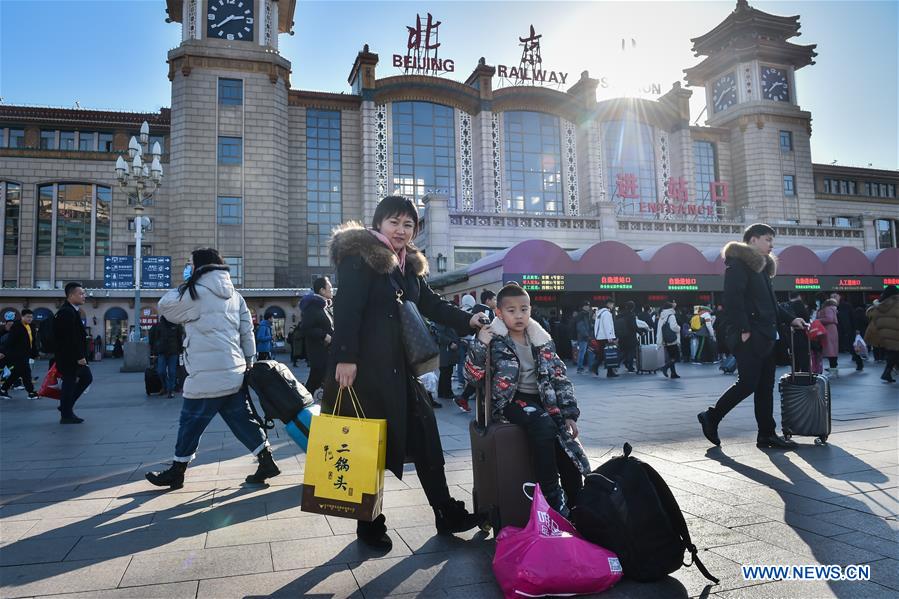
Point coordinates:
[[804, 402], [626, 507], [281, 395], [501, 464]]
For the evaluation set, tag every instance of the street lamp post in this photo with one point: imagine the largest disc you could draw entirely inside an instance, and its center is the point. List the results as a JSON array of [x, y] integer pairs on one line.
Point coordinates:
[[144, 180]]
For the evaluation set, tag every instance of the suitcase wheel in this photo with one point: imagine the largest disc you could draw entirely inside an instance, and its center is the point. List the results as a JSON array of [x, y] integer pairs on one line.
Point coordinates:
[[788, 434], [822, 440]]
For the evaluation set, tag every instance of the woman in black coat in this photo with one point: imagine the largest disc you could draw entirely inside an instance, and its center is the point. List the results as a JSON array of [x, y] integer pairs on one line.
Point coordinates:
[[367, 351]]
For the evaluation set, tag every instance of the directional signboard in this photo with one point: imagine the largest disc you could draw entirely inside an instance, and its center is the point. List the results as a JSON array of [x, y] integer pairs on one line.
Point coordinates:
[[156, 272], [118, 272]]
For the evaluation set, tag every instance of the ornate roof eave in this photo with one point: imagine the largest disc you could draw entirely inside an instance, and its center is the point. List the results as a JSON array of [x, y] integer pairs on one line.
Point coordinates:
[[285, 13], [81, 116], [541, 99], [647, 111], [428, 89], [774, 51], [741, 19]]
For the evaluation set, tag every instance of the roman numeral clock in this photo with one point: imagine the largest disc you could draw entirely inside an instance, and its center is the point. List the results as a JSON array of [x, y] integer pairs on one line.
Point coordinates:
[[231, 20]]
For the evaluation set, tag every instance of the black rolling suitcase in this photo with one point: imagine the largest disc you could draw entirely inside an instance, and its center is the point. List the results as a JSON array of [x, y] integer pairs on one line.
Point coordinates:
[[499, 472], [804, 402], [152, 380]]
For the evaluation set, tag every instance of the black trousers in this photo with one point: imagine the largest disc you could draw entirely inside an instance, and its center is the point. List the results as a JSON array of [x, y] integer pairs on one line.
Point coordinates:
[[445, 382], [315, 379], [755, 376], [424, 447], [74, 382], [21, 369], [550, 461]]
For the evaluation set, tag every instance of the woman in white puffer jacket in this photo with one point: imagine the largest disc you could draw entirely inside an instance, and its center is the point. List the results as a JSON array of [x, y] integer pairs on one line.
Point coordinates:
[[218, 349]]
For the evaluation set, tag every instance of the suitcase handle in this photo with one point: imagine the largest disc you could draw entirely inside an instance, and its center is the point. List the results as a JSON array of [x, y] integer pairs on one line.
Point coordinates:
[[793, 354], [482, 400]]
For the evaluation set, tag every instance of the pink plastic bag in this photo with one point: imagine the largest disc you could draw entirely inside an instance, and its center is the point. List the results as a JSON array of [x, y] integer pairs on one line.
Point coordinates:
[[548, 557]]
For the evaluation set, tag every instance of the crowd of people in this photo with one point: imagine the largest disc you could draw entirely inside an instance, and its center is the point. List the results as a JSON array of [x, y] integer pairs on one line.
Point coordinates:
[[355, 339]]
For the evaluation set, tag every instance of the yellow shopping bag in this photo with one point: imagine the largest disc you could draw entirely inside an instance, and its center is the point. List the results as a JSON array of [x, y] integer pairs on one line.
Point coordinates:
[[345, 464]]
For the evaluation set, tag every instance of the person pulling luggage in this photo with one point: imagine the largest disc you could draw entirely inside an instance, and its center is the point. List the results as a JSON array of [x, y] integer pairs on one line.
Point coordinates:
[[530, 389], [218, 350], [752, 318]]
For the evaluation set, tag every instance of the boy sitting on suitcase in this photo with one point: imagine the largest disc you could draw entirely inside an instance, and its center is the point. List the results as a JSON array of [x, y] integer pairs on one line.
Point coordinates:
[[530, 389]]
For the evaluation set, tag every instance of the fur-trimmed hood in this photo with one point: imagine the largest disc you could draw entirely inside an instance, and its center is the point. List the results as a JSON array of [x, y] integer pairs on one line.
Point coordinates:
[[353, 239], [537, 334], [755, 261]]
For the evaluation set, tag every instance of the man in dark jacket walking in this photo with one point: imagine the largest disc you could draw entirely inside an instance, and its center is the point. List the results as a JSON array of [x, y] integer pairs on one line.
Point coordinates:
[[71, 361], [317, 326], [166, 343], [753, 315], [18, 348]]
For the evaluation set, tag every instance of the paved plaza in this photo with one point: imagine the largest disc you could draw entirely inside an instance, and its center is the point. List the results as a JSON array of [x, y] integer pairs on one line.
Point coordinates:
[[78, 519]]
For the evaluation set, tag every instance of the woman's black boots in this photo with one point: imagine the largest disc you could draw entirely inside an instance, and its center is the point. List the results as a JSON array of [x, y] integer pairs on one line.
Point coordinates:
[[172, 478], [451, 516], [374, 534]]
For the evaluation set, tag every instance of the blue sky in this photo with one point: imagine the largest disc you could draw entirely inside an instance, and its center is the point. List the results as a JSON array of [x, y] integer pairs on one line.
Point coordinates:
[[111, 53]]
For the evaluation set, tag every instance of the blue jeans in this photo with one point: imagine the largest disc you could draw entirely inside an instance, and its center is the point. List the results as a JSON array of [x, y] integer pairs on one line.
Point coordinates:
[[581, 354], [234, 410], [167, 367]]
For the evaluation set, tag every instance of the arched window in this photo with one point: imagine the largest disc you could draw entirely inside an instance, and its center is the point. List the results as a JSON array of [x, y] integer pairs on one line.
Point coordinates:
[[424, 150], [77, 206], [630, 163], [533, 162], [11, 202], [115, 326]]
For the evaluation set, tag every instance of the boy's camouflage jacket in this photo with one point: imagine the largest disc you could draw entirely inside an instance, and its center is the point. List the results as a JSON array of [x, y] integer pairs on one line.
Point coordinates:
[[555, 389]]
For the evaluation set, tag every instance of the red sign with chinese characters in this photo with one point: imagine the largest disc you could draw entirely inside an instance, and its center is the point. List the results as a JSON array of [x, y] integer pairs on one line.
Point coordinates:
[[681, 281], [677, 195], [890, 281], [615, 279], [850, 283]]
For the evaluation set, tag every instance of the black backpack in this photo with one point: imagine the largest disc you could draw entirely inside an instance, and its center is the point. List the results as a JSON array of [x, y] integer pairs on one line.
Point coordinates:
[[46, 336], [280, 393], [668, 336], [627, 508]]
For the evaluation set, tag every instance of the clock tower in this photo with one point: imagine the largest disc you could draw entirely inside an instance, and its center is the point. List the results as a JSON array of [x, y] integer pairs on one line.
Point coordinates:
[[749, 77], [228, 166]]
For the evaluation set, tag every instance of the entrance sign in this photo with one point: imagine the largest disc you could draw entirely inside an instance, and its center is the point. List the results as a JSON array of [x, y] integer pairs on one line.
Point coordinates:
[[422, 46], [530, 69]]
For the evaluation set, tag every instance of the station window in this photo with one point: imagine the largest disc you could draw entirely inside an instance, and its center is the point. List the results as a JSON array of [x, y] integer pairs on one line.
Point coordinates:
[[104, 142], [82, 218], [231, 92], [229, 210], [885, 229], [786, 141], [16, 138], [789, 185], [323, 182], [235, 264], [533, 162], [11, 197], [230, 150], [48, 140], [86, 141], [841, 221], [631, 166], [66, 140], [424, 150]]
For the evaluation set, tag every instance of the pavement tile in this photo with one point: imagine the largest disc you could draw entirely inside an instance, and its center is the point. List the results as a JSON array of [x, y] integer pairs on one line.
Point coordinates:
[[871, 543], [136, 503], [808, 589], [195, 564], [174, 590], [306, 527], [36, 550], [884, 528], [11, 530], [424, 539], [422, 573], [61, 577], [886, 572], [145, 540], [334, 582], [62, 509], [804, 543], [340, 549]]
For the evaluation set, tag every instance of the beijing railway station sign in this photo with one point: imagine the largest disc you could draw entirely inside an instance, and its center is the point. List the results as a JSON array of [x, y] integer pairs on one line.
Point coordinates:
[[422, 49]]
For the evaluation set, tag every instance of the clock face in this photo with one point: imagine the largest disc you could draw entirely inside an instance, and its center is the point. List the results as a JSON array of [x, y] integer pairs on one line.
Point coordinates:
[[230, 20], [724, 92], [775, 85]]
